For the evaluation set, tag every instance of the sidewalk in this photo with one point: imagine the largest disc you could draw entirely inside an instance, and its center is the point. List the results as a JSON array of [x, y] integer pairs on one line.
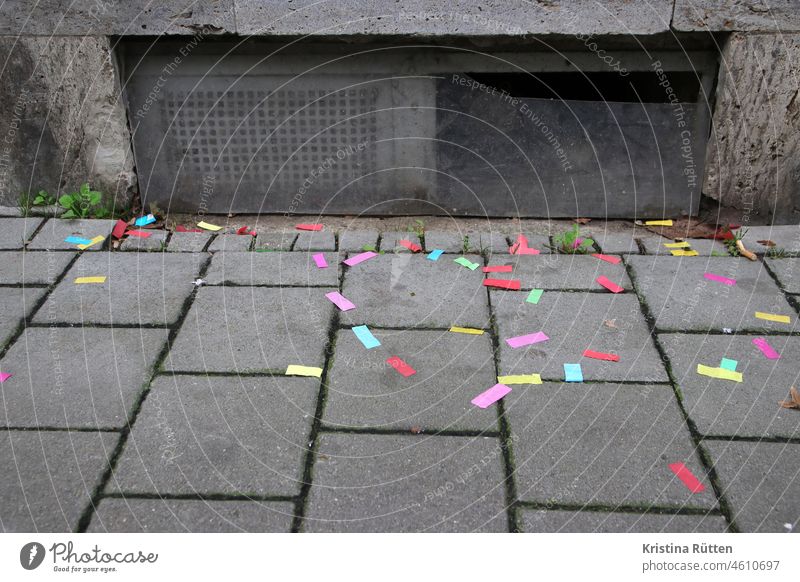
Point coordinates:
[[158, 400]]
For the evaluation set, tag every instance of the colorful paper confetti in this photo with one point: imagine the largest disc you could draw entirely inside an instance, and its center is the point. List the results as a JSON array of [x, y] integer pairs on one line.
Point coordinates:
[[765, 348], [320, 261], [435, 254], [365, 336], [399, 365], [720, 279], [76, 240], [534, 296], [773, 317], [144, 220], [119, 229], [413, 247], [605, 282], [719, 373], [207, 226], [683, 253], [526, 340], [511, 284], [607, 258], [492, 395], [340, 301], [308, 227], [498, 269], [464, 262], [658, 222], [139, 233], [683, 473], [573, 373], [467, 330], [678, 245], [91, 243], [82, 280], [359, 258], [520, 379], [309, 371], [4, 376], [728, 364], [600, 356]]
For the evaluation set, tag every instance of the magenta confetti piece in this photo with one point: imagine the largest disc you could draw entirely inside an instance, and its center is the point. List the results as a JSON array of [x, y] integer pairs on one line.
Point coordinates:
[[319, 259], [340, 301], [4, 376], [526, 340], [765, 348], [360, 258], [720, 279], [492, 395]]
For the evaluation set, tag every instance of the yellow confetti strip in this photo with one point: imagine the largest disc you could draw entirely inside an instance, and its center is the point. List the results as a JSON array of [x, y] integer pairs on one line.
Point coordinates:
[[207, 226], [720, 373], [294, 370], [677, 245], [683, 253], [471, 330], [81, 280], [773, 317], [520, 379], [95, 240], [658, 223]]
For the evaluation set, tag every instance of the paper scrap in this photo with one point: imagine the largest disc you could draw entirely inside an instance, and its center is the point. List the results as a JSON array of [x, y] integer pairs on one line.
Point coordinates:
[[605, 282], [607, 258], [246, 230], [512, 284], [359, 258], [119, 228], [144, 220], [528, 251], [311, 372], [466, 263], [340, 301], [76, 240], [139, 233], [526, 340], [413, 247], [573, 373], [658, 222], [683, 473], [520, 379], [365, 337], [773, 317], [498, 269], [80, 280], [534, 296], [600, 356], [207, 226], [91, 243], [683, 253], [308, 227], [720, 373], [469, 330], [319, 259], [728, 364], [492, 395], [765, 348], [4, 376], [794, 400], [720, 279], [521, 247], [678, 245], [435, 254], [401, 366]]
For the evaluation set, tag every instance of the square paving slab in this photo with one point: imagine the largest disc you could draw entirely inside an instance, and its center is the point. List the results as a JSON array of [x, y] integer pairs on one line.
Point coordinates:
[[15, 305], [354, 240], [275, 241], [315, 240], [157, 241], [15, 232], [32, 268], [414, 483], [406, 290], [49, 477], [624, 243], [207, 434], [191, 515], [576, 322], [725, 407], [231, 243], [55, 230], [559, 521], [452, 368], [704, 247], [237, 329], [139, 288], [188, 242], [77, 378], [680, 297], [761, 482], [557, 271], [390, 240], [602, 444], [451, 241], [786, 237], [788, 273], [294, 269]]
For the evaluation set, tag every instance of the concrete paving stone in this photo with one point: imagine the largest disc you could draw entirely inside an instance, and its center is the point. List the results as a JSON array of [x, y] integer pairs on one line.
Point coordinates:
[[495, 243], [354, 240], [414, 483], [405, 290], [704, 247], [231, 243], [680, 297], [788, 273], [188, 242], [785, 237], [238, 329], [32, 268], [15, 305], [77, 378], [219, 434], [576, 322], [560, 521], [309, 240], [139, 288], [15, 232], [539, 242], [275, 241], [191, 515], [49, 477], [450, 241], [558, 271], [725, 407], [55, 230], [604, 444], [272, 269], [760, 481], [623, 243], [390, 240], [452, 368], [157, 241]]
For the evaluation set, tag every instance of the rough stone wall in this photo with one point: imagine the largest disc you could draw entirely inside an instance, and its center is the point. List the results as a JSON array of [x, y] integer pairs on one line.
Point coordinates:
[[62, 122], [753, 159]]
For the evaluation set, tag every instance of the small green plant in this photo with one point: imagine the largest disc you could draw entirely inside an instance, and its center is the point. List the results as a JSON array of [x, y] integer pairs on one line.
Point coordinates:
[[418, 227], [465, 246], [43, 198], [776, 253], [83, 204], [731, 242], [572, 243], [367, 248]]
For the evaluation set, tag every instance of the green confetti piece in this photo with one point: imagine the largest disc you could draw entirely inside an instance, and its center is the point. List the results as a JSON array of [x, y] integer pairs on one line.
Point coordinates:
[[466, 263], [534, 296], [727, 364]]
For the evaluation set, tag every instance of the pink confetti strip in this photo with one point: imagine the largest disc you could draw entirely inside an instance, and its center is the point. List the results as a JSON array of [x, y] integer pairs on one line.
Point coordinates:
[[720, 279], [684, 474], [492, 395], [360, 258], [765, 348], [613, 287], [340, 301], [399, 365], [319, 259], [139, 233], [4, 376], [526, 340], [607, 258]]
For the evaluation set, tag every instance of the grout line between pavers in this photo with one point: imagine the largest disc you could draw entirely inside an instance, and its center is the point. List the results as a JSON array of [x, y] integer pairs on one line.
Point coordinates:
[[423, 432], [751, 439], [702, 454], [790, 299], [600, 508], [58, 429], [35, 232], [199, 496]]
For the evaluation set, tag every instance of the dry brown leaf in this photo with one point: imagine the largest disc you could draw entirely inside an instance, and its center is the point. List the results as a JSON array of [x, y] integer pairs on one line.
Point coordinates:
[[416, 430], [794, 402], [582, 220], [685, 228], [766, 243], [612, 323]]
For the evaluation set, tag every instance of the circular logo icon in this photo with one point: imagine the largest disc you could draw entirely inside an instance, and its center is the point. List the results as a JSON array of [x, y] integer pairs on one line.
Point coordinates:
[[31, 555]]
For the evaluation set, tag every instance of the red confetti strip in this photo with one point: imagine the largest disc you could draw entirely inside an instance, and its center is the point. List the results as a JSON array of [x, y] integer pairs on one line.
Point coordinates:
[[401, 366], [684, 474], [414, 248], [607, 258], [512, 284], [181, 228], [601, 356], [244, 230], [613, 287], [139, 233], [308, 227], [498, 269], [119, 229]]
